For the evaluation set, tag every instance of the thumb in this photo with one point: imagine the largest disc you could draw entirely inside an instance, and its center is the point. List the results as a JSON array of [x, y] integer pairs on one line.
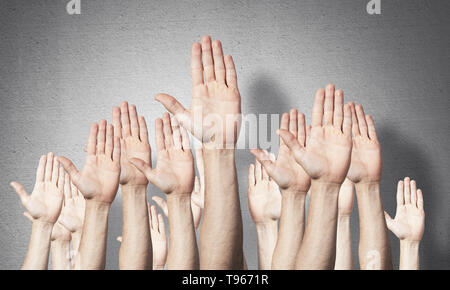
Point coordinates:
[[119, 239], [20, 192], [177, 109], [70, 168], [144, 167], [162, 204], [292, 143], [389, 221], [28, 216], [264, 158]]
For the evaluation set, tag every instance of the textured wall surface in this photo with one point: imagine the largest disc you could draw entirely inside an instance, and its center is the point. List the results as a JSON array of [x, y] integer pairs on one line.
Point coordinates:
[[60, 72]]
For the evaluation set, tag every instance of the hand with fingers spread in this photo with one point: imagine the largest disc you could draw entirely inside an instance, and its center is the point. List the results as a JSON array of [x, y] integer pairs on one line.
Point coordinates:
[[98, 181], [365, 173], [159, 238], [135, 251], [214, 115], [264, 203], [409, 223], [174, 175], [43, 207]]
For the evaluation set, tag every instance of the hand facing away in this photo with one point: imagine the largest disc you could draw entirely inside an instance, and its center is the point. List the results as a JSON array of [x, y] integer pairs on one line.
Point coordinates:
[[409, 221], [99, 178], [264, 198], [159, 238], [366, 153], [45, 202], [285, 171], [327, 154], [174, 172], [214, 116], [133, 135]]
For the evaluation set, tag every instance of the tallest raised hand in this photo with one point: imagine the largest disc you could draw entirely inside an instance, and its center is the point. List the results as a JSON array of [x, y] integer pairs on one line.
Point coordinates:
[[214, 115]]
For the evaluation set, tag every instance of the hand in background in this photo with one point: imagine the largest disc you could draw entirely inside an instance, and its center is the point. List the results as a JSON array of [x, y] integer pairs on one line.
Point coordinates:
[[285, 171], [345, 200], [72, 213], [366, 153], [264, 198], [99, 178], [159, 238], [45, 202], [214, 115], [409, 221], [327, 156]]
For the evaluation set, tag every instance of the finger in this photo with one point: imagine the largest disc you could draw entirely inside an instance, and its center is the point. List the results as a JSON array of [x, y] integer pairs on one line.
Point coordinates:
[[117, 149], [293, 122], [371, 128], [162, 204], [167, 128], [119, 239], [207, 59], [308, 133], [400, 197], [251, 175], [419, 199], [301, 131], [199, 160], [154, 217], [407, 192], [258, 170], [176, 109], [230, 72], [134, 121], [109, 146], [329, 105], [92, 140], [176, 133], [361, 121], [71, 169], [284, 124], [20, 191], [413, 193], [101, 137], [67, 188], [125, 119], [144, 168], [185, 141], [347, 123], [264, 159], [162, 226], [159, 135], [55, 170], [292, 143], [317, 112], [61, 179], [49, 167], [196, 64], [389, 221], [143, 131], [338, 116], [40, 172], [265, 176], [28, 216], [219, 65], [116, 122], [197, 185], [355, 125]]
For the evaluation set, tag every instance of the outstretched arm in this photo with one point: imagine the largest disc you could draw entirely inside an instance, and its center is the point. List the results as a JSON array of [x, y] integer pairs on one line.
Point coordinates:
[[43, 206], [214, 118], [344, 257], [409, 223], [365, 172], [98, 182]]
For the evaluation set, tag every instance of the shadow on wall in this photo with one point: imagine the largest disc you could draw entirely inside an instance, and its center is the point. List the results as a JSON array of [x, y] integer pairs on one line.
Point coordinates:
[[403, 157]]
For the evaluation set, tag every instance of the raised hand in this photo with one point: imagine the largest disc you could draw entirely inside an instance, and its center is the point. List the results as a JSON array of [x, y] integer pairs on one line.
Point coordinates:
[[264, 197], [45, 202], [214, 115], [159, 239], [174, 172], [409, 221], [72, 213], [366, 153], [286, 172], [133, 135], [99, 178], [327, 155]]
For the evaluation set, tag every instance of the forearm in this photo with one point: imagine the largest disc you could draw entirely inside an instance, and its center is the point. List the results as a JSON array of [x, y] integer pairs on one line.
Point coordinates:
[[409, 255], [183, 252], [374, 247], [92, 250], [221, 229], [344, 257], [136, 249], [39, 246], [60, 254], [318, 248], [267, 238], [292, 225]]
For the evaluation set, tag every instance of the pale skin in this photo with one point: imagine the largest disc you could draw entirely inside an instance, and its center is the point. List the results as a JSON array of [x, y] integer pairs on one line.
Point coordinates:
[[365, 173], [214, 118], [264, 203], [174, 175], [98, 181], [136, 248], [409, 223], [44, 207], [344, 256], [326, 159], [294, 183]]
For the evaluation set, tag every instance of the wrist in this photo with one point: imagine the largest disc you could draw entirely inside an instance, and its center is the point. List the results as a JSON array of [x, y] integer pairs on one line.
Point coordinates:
[[158, 267], [294, 193], [409, 245], [344, 218], [367, 187], [318, 186], [97, 206], [140, 189], [266, 226]]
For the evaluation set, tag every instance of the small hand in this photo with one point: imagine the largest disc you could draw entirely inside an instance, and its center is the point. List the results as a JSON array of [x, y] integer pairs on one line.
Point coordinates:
[[72, 213], [264, 198], [159, 239], [45, 202], [409, 221]]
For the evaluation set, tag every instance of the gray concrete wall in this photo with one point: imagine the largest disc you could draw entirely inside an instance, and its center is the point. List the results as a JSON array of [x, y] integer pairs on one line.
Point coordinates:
[[59, 73]]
